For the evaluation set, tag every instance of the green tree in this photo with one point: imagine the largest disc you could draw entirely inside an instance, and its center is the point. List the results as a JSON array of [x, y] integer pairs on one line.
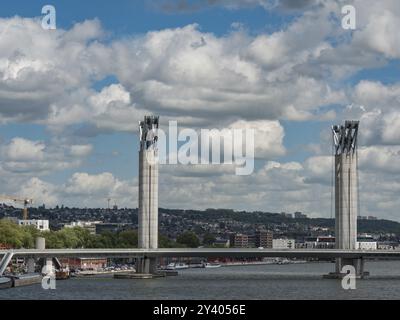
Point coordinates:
[[53, 241], [106, 240], [189, 239], [208, 239], [127, 239], [11, 234], [165, 242]]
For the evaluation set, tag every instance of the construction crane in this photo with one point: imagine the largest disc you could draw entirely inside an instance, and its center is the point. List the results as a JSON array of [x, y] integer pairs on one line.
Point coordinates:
[[115, 203], [24, 202]]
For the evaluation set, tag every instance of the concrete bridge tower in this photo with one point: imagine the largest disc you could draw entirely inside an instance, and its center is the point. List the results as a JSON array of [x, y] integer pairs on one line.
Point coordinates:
[[148, 192], [346, 192], [346, 184]]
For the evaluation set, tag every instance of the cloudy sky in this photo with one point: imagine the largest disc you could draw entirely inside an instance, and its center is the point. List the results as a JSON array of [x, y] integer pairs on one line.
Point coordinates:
[[71, 99]]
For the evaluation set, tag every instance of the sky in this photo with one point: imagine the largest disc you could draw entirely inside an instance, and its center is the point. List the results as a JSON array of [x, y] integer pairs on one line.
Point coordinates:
[[71, 99]]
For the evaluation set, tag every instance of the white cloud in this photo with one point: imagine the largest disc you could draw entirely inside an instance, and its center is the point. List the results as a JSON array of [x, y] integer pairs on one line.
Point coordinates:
[[20, 149], [21, 156], [377, 107], [268, 139], [380, 159], [204, 80], [81, 150], [83, 183], [378, 23], [40, 191]]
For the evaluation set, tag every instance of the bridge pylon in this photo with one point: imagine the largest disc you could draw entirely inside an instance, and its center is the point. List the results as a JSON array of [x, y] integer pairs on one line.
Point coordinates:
[[148, 192], [345, 143]]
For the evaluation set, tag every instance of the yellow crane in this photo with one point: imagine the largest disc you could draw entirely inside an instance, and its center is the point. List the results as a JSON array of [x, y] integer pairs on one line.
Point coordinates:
[[24, 202]]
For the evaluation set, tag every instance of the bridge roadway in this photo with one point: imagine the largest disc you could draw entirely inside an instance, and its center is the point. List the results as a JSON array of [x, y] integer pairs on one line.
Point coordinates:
[[204, 253]]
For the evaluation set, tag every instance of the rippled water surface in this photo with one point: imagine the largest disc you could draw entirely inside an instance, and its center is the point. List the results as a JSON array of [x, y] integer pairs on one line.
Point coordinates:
[[293, 281]]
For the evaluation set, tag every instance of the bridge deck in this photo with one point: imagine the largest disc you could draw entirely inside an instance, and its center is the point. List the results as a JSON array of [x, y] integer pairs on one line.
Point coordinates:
[[204, 252]]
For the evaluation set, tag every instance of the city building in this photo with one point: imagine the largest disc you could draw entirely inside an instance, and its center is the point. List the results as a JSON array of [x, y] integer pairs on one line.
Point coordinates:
[[5, 246], [88, 225], [367, 218], [283, 244], [387, 245], [42, 225], [84, 263], [238, 240], [263, 238], [320, 242], [222, 242], [299, 215], [287, 215], [366, 242], [367, 245]]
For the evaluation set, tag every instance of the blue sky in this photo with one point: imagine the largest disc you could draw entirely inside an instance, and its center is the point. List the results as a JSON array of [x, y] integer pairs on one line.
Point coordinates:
[[265, 62], [127, 18]]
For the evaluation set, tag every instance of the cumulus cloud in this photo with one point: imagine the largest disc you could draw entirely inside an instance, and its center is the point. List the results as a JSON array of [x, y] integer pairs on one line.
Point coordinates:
[[377, 107], [26, 157], [204, 80], [377, 25], [21, 149], [268, 137], [81, 150], [40, 191], [36, 74], [380, 159]]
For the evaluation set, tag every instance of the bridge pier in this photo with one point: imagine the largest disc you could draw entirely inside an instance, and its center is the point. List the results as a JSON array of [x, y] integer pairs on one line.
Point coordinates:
[[148, 195], [146, 265], [341, 263], [346, 196]]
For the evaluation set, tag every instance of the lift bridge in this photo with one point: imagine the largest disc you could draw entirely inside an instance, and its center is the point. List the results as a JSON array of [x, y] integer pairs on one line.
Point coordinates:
[[346, 212]]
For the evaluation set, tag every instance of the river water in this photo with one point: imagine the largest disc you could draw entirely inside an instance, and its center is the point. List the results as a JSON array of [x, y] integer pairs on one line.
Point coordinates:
[[266, 282]]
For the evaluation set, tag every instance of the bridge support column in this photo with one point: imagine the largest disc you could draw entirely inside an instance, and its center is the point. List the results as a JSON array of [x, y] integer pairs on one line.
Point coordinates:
[[341, 271], [148, 194], [346, 194], [146, 266]]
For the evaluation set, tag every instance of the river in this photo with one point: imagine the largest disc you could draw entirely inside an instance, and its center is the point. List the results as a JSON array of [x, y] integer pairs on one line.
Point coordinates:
[[292, 281]]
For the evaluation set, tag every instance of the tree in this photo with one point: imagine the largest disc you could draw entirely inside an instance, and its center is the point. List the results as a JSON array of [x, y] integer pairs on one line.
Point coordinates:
[[127, 239], [165, 242], [208, 239], [189, 239], [11, 234]]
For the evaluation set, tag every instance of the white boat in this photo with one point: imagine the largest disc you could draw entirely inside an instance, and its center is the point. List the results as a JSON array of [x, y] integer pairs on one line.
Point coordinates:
[[177, 266], [212, 265]]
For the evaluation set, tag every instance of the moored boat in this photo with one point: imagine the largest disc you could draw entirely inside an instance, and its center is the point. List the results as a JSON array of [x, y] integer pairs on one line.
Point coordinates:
[[5, 283], [212, 265], [27, 279], [177, 266]]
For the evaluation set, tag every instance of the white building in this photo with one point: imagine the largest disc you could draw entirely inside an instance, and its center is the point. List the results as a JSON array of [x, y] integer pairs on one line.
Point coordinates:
[[366, 242], [88, 225], [367, 245], [283, 244], [42, 225]]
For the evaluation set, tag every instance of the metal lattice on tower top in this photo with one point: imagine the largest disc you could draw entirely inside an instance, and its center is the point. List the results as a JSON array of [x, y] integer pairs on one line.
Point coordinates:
[[149, 132], [345, 137]]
